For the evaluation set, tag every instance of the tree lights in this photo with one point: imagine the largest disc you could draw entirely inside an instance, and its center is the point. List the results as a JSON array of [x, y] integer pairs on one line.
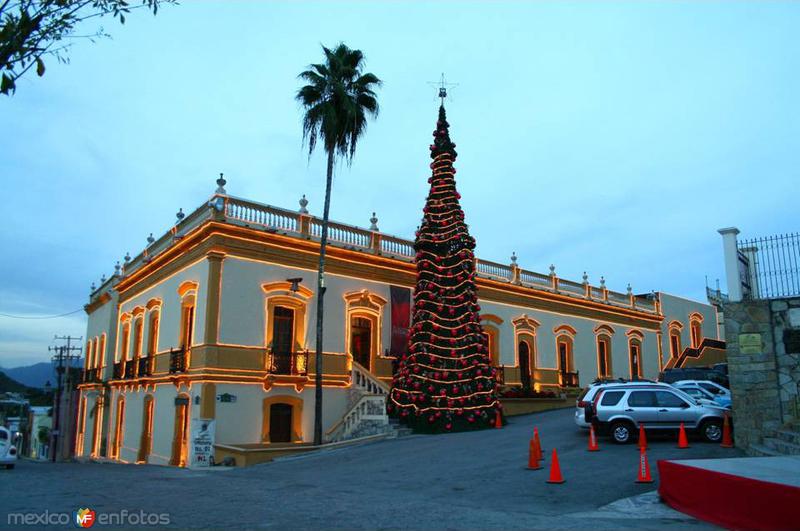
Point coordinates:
[[444, 382]]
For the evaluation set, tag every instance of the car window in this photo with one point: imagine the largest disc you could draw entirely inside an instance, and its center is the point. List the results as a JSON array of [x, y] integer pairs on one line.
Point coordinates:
[[3, 435], [694, 391], [611, 398], [667, 399], [710, 388], [642, 399]]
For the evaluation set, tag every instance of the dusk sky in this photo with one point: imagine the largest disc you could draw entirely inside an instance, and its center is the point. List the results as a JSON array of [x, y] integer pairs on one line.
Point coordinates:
[[611, 138]]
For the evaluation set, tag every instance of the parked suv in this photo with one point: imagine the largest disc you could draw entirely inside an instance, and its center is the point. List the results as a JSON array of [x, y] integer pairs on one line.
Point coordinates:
[[694, 373], [8, 451], [619, 411], [588, 394]]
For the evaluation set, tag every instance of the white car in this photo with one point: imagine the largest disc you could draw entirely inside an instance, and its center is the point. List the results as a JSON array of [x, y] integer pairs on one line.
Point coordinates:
[[712, 387], [8, 452]]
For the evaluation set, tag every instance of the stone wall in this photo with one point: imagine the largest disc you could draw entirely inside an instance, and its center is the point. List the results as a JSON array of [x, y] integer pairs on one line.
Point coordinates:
[[763, 344]]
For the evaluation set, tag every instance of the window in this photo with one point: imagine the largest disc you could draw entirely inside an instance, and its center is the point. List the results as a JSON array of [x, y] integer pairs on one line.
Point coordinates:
[[635, 353], [642, 399], [604, 356], [611, 398], [100, 354], [675, 343], [710, 388], [565, 361], [696, 329], [87, 363], [126, 331], [152, 334], [187, 324], [667, 399], [524, 359], [137, 338], [695, 392]]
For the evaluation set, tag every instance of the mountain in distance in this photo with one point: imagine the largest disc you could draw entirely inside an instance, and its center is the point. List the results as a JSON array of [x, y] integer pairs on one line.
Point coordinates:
[[38, 374]]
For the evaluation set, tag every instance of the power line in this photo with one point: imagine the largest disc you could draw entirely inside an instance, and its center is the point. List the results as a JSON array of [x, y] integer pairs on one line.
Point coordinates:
[[42, 317]]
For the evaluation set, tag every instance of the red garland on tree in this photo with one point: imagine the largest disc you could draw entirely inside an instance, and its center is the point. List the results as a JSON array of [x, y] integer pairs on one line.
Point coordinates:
[[445, 381]]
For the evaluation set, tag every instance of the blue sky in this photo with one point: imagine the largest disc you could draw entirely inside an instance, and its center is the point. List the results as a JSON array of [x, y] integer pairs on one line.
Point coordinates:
[[614, 138]]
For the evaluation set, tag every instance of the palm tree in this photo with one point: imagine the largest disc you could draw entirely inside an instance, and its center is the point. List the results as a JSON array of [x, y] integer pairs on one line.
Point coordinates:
[[336, 101]]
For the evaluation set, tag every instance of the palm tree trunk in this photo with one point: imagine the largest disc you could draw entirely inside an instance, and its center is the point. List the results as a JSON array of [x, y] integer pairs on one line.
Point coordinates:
[[323, 243]]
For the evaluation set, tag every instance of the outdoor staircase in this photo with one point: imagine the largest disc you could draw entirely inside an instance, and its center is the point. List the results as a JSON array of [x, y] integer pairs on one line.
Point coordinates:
[[785, 441], [366, 410]]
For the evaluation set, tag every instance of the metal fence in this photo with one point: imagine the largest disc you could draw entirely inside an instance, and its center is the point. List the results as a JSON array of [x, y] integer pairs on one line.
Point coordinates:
[[770, 266]]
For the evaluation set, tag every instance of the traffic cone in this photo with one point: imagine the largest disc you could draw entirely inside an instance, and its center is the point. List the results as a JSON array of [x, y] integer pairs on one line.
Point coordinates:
[[593, 447], [498, 419], [538, 444], [683, 442], [642, 438], [727, 441], [533, 456], [644, 468], [555, 470]]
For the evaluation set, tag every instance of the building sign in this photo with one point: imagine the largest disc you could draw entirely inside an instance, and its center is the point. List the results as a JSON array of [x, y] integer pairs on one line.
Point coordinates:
[[226, 397], [750, 344], [201, 452]]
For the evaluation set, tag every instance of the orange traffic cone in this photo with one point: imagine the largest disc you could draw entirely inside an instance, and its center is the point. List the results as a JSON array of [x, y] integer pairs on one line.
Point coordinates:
[[727, 441], [644, 468], [642, 438], [593, 447], [539, 453], [683, 442], [555, 470], [498, 419], [533, 456]]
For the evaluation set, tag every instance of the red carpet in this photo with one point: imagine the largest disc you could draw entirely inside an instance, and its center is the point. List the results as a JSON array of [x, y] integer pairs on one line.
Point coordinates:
[[732, 500]]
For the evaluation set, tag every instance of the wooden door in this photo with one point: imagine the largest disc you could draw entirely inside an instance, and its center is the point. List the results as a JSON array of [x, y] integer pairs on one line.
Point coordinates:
[[524, 352], [280, 423]]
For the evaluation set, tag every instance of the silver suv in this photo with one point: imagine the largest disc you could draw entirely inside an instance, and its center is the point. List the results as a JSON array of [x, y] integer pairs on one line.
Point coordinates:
[[620, 410]]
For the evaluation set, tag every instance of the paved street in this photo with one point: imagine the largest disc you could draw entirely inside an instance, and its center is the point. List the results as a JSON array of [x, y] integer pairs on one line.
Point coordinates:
[[457, 481]]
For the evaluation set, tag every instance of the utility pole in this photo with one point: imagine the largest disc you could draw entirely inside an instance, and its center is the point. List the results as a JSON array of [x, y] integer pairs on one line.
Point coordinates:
[[63, 359]]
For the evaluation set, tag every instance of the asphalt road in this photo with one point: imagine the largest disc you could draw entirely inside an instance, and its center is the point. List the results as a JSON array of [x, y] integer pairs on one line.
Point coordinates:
[[472, 480]]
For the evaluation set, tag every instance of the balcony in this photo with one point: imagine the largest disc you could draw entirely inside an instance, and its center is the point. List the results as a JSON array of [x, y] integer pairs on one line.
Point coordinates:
[[291, 363], [130, 369], [145, 366], [177, 361], [91, 375], [568, 379], [119, 370]]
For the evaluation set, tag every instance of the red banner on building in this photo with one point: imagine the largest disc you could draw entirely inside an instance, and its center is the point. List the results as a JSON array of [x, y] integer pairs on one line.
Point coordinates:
[[401, 319]]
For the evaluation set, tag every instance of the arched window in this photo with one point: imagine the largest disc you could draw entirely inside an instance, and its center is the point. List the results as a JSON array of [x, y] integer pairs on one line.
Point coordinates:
[[696, 329], [604, 369], [635, 357], [491, 332], [138, 328], [152, 334], [675, 338], [81, 426], [119, 430], [87, 363], [146, 441], [96, 426], [565, 360], [125, 345], [100, 360]]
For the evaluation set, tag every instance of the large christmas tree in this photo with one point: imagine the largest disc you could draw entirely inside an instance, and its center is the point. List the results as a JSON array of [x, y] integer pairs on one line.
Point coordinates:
[[445, 381]]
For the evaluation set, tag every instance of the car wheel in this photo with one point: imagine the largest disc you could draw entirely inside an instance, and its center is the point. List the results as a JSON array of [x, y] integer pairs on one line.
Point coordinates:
[[712, 430], [621, 432], [9, 467]]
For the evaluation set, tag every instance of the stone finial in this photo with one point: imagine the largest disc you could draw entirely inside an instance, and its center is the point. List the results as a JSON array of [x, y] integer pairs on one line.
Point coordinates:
[[373, 222], [116, 268], [303, 204], [630, 289], [150, 240], [179, 215], [602, 282], [103, 279], [585, 278], [221, 182], [92, 288], [552, 270], [513, 258], [127, 258]]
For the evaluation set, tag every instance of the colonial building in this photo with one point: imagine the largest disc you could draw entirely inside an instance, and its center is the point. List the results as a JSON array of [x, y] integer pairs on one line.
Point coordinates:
[[213, 321]]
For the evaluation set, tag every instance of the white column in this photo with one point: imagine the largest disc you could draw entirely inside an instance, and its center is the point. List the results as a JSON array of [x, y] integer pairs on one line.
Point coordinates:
[[731, 263]]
